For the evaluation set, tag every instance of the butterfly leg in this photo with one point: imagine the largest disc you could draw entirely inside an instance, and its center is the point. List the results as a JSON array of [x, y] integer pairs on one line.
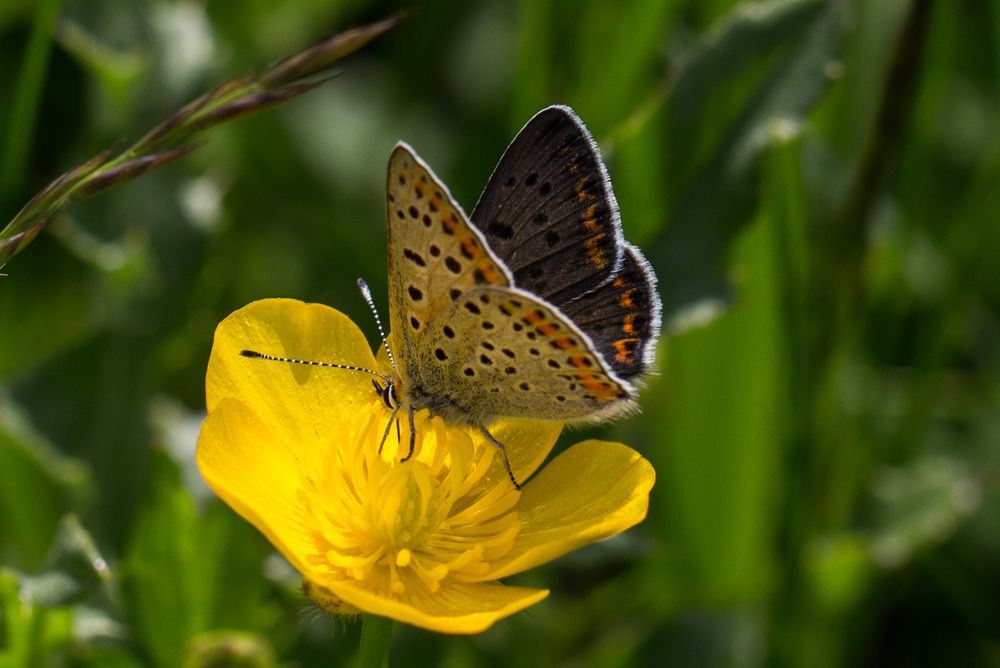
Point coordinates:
[[388, 428], [413, 434], [503, 453]]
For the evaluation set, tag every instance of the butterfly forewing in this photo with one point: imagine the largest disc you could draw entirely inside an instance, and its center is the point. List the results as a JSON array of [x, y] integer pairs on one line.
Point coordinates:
[[434, 254], [548, 210], [516, 356]]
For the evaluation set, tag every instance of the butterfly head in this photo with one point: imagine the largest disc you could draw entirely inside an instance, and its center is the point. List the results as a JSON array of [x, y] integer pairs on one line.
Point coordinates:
[[387, 392]]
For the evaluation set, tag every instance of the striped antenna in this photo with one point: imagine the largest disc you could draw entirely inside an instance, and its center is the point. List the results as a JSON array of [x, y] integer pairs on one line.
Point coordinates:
[[367, 294], [264, 356]]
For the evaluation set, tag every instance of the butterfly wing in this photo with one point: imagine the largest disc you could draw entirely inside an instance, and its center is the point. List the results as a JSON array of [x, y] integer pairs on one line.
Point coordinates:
[[622, 318], [434, 254], [521, 357], [548, 210]]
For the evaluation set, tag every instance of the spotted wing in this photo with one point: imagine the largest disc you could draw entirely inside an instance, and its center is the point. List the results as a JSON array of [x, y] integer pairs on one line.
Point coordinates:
[[622, 318], [519, 357], [435, 255], [548, 210]]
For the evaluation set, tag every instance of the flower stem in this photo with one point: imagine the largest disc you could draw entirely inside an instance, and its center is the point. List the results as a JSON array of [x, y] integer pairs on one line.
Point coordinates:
[[376, 639]]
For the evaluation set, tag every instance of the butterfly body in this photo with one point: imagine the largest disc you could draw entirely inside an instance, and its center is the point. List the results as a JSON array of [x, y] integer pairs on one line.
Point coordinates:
[[535, 306]]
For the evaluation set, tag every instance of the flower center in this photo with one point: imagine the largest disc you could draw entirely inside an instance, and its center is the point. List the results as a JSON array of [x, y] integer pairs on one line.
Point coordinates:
[[408, 507], [399, 525]]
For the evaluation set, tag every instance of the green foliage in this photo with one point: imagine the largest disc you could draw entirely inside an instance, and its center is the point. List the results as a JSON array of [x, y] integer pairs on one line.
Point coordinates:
[[815, 182]]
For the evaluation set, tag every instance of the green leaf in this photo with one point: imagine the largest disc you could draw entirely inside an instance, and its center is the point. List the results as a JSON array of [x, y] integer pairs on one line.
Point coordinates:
[[636, 29], [163, 604], [25, 99], [74, 568], [37, 485], [183, 574], [690, 253], [30, 633], [721, 423], [61, 282]]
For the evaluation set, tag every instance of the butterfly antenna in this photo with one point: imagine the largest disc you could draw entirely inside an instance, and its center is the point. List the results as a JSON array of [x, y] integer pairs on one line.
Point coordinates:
[[367, 294], [264, 356]]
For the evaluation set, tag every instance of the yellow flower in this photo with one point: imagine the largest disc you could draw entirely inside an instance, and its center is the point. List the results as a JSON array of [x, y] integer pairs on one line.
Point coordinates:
[[294, 450]]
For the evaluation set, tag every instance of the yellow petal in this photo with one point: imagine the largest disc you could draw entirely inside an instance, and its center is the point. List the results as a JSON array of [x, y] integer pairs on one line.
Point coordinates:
[[299, 403], [594, 490], [256, 474], [528, 443], [455, 608]]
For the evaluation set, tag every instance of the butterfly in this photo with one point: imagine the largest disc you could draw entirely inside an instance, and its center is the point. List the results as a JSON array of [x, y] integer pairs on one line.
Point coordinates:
[[533, 306]]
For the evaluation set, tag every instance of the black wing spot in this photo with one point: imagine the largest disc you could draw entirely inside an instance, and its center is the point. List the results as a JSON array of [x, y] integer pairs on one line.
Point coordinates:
[[440, 354], [466, 253], [518, 327], [485, 360], [541, 218], [432, 206], [468, 371], [453, 265], [508, 352], [510, 181], [484, 299], [454, 293], [560, 397], [427, 220], [478, 276], [488, 325], [524, 386], [532, 179], [414, 323], [545, 188], [554, 364], [510, 371], [415, 293], [435, 250], [449, 332], [489, 346], [401, 179], [472, 308], [501, 230], [414, 213], [414, 257], [400, 214], [534, 352], [551, 238]]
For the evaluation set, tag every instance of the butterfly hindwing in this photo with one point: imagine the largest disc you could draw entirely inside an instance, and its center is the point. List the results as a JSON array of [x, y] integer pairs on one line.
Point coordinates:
[[622, 318], [516, 356], [548, 210], [434, 254]]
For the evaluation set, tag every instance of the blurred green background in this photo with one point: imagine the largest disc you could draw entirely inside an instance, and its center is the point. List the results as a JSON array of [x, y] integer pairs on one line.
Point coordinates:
[[816, 183]]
